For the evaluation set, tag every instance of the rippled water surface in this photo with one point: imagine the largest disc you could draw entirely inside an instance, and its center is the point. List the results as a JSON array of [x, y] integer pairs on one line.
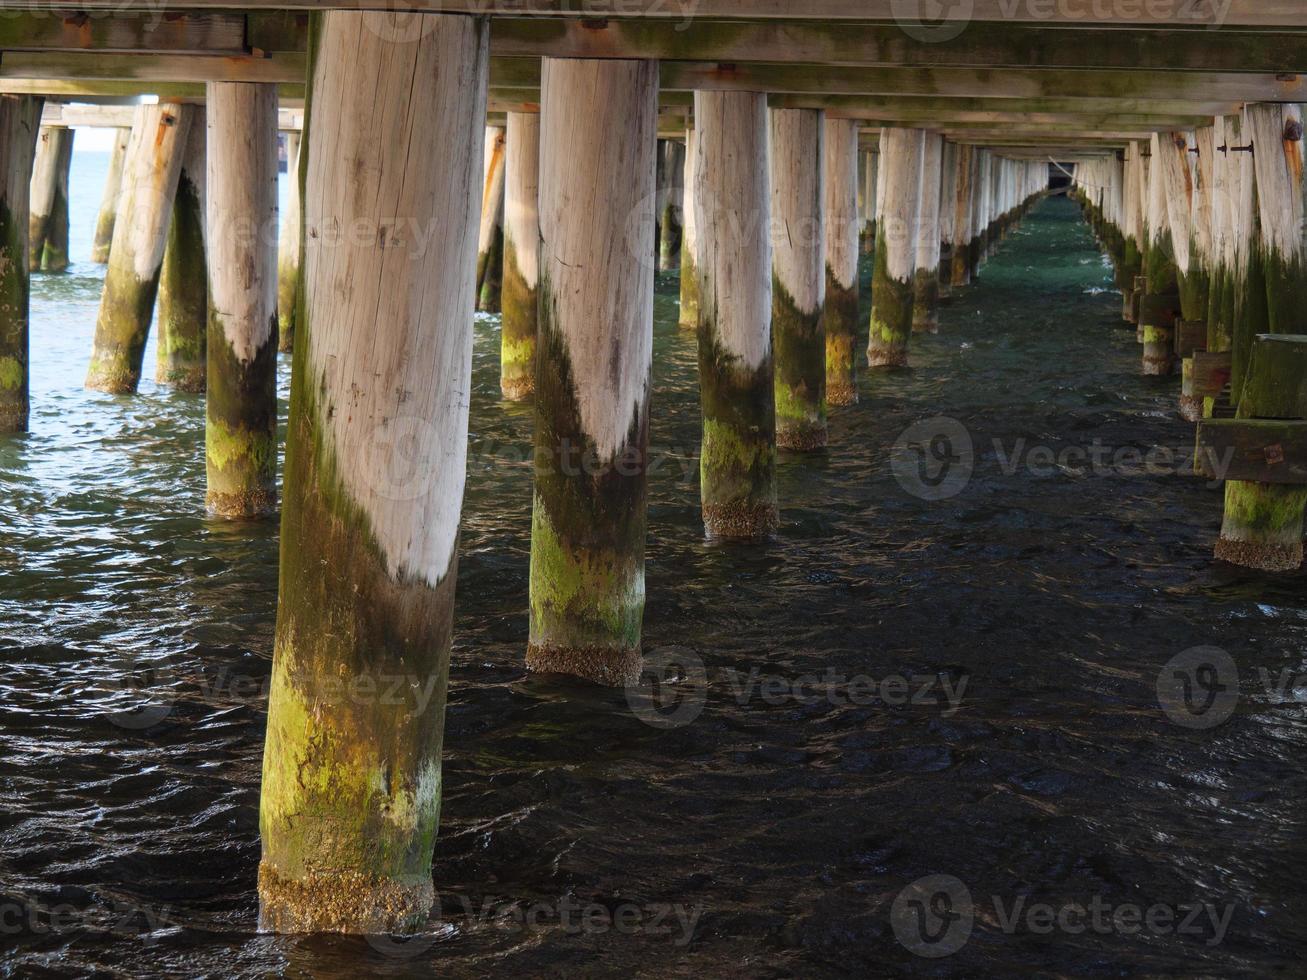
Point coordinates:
[[768, 836]]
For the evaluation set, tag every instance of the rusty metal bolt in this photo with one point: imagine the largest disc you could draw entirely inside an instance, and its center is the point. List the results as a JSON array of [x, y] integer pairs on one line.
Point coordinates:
[[1293, 131]]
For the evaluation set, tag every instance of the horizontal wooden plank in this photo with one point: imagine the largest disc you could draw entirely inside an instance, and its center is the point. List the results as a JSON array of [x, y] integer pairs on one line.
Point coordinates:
[[928, 18], [1211, 372], [112, 31], [1030, 84], [1258, 450], [981, 45]]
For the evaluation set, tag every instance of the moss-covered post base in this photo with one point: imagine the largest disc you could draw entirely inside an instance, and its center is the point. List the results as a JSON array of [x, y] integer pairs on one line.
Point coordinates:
[[375, 466], [521, 257], [490, 237], [593, 360], [1191, 406], [150, 175], [689, 311], [925, 278], [48, 220], [841, 229], [290, 248], [1263, 526], [737, 463], [20, 119], [241, 404], [892, 297], [798, 278], [183, 314], [113, 183]]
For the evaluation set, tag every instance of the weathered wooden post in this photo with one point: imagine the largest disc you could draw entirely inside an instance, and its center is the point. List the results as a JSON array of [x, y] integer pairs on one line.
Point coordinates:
[[1277, 138], [798, 278], [20, 121], [897, 213], [113, 183], [490, 239], [1225, 191], [948, 181], [925, 279], [593, 357], [669, 213], [183, 312], [964, 188], [738, 458], [841, 231], [375, 466], [240, 435], [290, 248], [48, 221], [1158, 307], [983, 164], [870, 174], [1180, 188], [689, 311], [150, 174], [1251, 316], [1133, 197], [521, 256]]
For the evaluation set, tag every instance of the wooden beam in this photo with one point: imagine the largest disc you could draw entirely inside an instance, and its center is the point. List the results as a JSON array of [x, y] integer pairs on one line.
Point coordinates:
[[981, 45], [919, 17], [1259, 450], [195, 32], [686, 76]]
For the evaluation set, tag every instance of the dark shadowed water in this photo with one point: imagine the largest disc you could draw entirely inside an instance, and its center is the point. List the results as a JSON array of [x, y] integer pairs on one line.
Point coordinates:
[[897, 688]]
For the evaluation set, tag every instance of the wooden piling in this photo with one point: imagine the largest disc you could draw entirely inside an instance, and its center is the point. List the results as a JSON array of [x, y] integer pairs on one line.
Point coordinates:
[[48, 228], [20, 118], [593, 359], [113, 183], [150, 175], [670, 211], [964, 188], [798, 278], [688, 317], [925, 277], [521, 256], [490, 238], [737, 463], [241, 396], [183, 310], [1159, 306], [375, 467], [290, 248], [841, 230], [897, 214]]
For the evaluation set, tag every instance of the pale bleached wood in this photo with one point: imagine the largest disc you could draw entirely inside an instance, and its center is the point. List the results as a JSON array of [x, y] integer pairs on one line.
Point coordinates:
[[241, 210], [1179, 191], [389, 311], [927, 243], [841, 219], [113, 183], [734, 255], [492, 196], [1157, 221], [899, 187], [522, 184], [798, 240], [594, 209]]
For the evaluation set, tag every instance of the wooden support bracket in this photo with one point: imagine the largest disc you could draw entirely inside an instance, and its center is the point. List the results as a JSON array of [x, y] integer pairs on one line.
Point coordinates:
[[1256, 450]]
